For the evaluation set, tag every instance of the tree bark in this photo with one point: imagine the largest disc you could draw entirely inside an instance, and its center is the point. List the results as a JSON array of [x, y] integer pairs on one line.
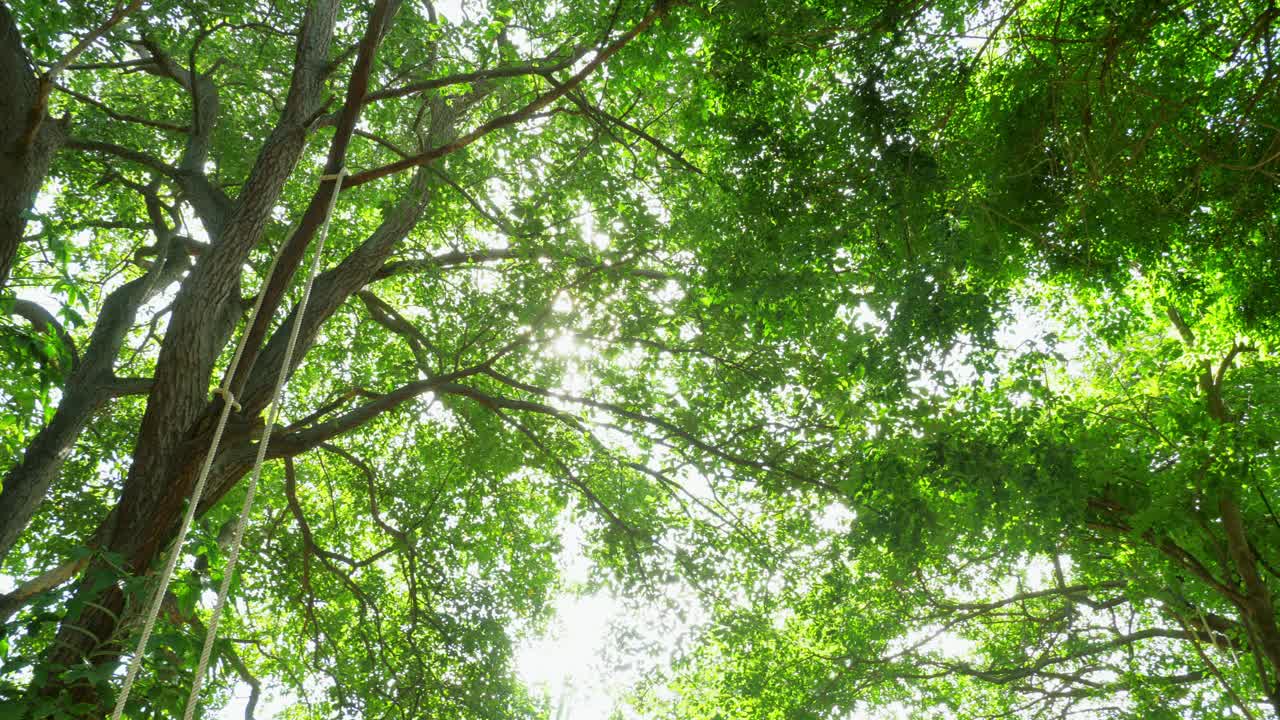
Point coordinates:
[[90, 385], [175, 431], [317, 210], [168, 446], [1258, 609], [24, 156]]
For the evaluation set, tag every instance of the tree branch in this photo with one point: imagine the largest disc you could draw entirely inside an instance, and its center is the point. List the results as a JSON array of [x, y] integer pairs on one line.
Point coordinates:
[[659, 9], [290, 257], [124, 153], [43, 321], [508, 71], [12, 601], [47, 79], [639, 132], [474, 257], [387, 317], [121, 387], [123, 117], [299, 439], [92, 383], [665, 425]]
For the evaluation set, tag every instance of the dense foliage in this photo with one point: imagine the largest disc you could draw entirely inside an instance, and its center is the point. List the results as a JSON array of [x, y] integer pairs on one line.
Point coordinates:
[[928, 349]]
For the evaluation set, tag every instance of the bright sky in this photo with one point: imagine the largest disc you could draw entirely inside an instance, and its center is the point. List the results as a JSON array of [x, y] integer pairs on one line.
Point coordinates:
[[567, 661]]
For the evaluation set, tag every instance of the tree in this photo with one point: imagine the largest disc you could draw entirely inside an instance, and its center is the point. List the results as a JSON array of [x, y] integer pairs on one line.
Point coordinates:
[[1048, 283], [197, 135], [697, 275]]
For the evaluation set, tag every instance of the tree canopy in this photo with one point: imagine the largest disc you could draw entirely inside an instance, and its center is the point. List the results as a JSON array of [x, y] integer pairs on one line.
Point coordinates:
[[927, 349]]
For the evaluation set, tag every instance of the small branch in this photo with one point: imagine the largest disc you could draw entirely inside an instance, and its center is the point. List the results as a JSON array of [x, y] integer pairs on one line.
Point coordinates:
[[301, 438], [414, 265], [502, 121], [1225, 365], [497, 402], [1184, 330], [334, 404], [381, 141], [119, 14], [121, 387], [1208, 383], [498, 221], [1213, 668], [226, 650], [509, 71], [471, 257], [617, 522], [387, 317], [43, 321], [295, 507], [1257, 607], [370, 480], [255, 688], [41, 104], [639, 132], [171, 127], [1166, 546], [124, 153], [116, 65], [12, 601], [668, 427]]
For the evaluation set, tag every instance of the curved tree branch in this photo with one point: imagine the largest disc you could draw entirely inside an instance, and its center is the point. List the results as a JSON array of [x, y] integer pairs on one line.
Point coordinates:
[[43, 321]]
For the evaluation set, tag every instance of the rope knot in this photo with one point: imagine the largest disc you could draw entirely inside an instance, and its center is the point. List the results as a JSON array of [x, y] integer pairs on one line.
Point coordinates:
[[228, 398]]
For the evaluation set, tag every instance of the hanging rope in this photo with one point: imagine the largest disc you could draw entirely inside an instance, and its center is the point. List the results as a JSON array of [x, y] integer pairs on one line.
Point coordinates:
[[228, 404]]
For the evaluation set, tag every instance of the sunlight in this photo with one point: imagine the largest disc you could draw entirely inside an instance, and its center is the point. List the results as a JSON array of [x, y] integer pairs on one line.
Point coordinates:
[[565, 662]]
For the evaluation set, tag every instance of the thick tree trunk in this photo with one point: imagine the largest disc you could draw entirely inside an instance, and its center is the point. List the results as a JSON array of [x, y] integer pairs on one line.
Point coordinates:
[[91, 636], [1258, 609], [24, 156], [175, 430], [173, 437]]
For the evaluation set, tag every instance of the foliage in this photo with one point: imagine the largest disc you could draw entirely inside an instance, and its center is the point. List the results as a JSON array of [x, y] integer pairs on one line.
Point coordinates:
[[930, 346]]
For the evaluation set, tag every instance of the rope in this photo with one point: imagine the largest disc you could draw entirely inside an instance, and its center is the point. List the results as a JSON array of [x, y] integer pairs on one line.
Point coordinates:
[[252, 487], [229, 403]]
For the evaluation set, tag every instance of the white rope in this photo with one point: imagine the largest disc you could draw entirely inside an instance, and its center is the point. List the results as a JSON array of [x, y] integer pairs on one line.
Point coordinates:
[[252, 487], [229, 403]]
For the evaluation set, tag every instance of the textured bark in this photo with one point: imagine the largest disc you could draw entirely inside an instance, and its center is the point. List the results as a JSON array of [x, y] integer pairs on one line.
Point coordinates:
[[317, 209], [11, 602], [43, 321], [91, 384], [211, 205], [24, 156], [174, 435], [331, 290], [97, 631], [1258, 609], [198, 327], [203, 315]]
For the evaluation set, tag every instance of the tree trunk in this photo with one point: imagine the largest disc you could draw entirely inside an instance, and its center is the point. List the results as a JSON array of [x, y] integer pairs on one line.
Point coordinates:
[[1258, 610], [174, 434], [24, 156]]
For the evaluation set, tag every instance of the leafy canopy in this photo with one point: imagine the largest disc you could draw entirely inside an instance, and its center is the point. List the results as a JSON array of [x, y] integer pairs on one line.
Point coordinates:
[[928, 349]]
